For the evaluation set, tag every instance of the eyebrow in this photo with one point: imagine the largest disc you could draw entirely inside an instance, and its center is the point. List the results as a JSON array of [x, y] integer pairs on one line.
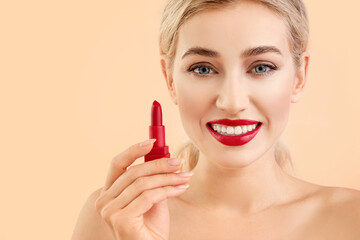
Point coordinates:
[[247, 53]]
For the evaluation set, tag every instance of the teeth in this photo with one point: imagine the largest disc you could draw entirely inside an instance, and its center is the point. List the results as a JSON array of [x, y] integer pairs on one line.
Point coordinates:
[[245, 129], [238, 130], [223, 130], [230, 130], [233, 131]]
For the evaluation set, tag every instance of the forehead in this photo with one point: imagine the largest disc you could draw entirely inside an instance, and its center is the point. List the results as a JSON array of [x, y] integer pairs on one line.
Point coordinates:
[[233, 29]]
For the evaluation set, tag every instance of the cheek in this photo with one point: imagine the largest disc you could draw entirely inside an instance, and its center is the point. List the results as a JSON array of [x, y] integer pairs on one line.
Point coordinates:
[[191, 99], [276, 101], [194, 100]]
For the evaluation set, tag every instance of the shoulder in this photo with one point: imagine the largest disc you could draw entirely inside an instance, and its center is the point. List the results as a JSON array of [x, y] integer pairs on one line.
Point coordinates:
[[90, 225], [340, 209], [341, 198], [94, 195]]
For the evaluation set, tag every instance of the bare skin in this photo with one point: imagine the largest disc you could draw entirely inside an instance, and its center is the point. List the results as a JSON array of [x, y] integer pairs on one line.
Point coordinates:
[[241, 192], [317, 212], [321, 213]]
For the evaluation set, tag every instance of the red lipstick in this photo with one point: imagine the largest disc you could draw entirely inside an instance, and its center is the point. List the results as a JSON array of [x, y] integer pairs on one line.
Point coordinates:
[[157, 130], [234, 140], [236, 122]]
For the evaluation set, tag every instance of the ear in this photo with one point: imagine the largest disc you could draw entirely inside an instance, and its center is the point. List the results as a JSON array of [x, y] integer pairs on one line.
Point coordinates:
[[300, 79], [169, 79]]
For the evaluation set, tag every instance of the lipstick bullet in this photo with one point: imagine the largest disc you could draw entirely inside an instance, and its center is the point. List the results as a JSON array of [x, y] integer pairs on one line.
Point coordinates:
[[157, 130]]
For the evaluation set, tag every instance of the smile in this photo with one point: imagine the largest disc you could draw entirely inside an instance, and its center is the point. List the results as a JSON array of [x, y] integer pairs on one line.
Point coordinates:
[[234, 132]]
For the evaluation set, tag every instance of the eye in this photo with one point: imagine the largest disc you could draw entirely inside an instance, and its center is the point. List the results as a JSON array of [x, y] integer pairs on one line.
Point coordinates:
[[263, 69], [201, 70]]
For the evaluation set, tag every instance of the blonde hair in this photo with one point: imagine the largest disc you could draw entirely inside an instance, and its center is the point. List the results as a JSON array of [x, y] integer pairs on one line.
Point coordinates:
[[177, 12]]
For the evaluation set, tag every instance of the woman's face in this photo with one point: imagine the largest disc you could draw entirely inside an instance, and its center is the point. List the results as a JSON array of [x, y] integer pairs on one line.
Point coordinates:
[[234, 63]]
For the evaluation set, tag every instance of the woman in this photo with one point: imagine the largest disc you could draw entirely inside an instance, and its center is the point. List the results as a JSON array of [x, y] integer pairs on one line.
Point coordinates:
[[231, 60]]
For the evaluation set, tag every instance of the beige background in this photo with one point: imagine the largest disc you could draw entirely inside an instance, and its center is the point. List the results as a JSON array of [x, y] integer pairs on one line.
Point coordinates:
[[75, 79]]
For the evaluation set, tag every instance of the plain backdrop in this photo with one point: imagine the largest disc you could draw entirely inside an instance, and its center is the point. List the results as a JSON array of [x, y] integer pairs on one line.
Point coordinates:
[[77, 82]]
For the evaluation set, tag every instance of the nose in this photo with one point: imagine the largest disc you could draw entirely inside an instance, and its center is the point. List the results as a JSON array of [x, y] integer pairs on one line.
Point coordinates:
[[233, 96]]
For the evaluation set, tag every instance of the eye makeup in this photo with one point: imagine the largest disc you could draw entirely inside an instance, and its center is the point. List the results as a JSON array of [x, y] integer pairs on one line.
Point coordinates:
[[202, 67]]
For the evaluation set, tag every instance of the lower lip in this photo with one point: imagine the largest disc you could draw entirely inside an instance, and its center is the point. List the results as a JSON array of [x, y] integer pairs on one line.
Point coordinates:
[[234, 140]]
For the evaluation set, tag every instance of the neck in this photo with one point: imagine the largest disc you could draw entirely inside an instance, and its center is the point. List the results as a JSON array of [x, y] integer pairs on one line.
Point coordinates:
[[241, 191]]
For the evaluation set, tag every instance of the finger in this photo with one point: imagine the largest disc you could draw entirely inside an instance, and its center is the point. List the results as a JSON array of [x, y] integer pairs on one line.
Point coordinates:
[[141, 170], [144, 184], [122, 161], [145, 169], [147, 199]]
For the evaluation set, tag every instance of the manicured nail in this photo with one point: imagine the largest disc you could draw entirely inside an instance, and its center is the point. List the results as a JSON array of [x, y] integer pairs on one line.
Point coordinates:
[[175, 161], [185, 174], [147, 142], [182, 186]]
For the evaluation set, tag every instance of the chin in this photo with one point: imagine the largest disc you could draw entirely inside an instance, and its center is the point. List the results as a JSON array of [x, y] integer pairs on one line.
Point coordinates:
[[231, 160]]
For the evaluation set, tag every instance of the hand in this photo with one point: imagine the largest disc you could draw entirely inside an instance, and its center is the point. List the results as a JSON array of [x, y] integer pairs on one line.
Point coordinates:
[[133, 201]]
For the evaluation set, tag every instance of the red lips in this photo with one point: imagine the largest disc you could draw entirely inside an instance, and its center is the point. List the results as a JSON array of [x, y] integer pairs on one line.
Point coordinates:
[[237, 122], [234, 140]]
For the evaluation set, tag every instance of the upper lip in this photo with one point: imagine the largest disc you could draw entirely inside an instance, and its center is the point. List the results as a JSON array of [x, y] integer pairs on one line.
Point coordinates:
[[236, 122]]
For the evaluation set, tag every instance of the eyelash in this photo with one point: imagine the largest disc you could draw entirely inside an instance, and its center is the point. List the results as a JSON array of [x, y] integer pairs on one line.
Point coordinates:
[[272, 68]]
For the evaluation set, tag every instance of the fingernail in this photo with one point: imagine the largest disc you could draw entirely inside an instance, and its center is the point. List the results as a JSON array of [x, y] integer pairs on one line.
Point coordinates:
[[185, 174], [175, 161], [182, 186], [147, 142]]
